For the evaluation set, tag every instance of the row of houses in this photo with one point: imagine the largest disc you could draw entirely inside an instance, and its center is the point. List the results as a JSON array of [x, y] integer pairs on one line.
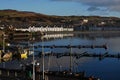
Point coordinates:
[[44, 29], [58, 29]]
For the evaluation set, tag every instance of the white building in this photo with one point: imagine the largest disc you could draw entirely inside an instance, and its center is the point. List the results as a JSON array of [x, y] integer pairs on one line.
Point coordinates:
[[85, 20], [44, 29]]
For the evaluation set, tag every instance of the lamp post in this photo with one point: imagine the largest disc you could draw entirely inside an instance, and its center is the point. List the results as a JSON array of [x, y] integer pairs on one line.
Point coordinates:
[[3, 47], [33, 58], [3, 42]]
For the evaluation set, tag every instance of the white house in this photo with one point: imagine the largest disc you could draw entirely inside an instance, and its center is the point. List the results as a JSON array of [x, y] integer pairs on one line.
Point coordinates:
[[44, 29]]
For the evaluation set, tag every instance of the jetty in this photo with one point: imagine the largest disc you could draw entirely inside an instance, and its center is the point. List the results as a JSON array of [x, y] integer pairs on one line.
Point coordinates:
[[72, 46], [84, 54]]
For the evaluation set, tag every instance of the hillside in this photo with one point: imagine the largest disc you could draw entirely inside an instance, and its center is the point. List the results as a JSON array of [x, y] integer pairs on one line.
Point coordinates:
[[24, 19], [22, 16]]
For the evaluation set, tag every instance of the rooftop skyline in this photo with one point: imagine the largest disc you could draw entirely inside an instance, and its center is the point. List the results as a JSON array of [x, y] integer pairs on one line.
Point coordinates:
[[65, 7]]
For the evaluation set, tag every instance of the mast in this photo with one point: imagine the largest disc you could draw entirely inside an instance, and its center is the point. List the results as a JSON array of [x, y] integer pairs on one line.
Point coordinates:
[[48, 62], [33, 63], [43, 56], [70, 59], [70, 56]]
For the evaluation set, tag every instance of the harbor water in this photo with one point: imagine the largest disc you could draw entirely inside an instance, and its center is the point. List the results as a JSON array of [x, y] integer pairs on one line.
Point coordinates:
[[105, 69]]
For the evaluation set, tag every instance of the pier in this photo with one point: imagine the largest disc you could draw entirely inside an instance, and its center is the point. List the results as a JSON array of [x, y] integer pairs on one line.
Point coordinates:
[[73, 46], [84, 54]]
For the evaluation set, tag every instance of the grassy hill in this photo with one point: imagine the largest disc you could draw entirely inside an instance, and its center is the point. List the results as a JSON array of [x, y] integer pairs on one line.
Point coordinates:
[[24, 18]]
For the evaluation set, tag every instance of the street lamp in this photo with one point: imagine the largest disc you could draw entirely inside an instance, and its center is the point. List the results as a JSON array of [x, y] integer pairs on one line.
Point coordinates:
[[3, 42], [3, 47], [33, 58]]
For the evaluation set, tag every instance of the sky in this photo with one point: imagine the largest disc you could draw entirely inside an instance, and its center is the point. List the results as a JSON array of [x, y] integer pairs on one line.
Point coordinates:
[[65, 7]]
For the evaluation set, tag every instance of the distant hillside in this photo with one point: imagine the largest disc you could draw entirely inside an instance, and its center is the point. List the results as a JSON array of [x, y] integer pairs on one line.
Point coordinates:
[[25, 19], [22, 16]]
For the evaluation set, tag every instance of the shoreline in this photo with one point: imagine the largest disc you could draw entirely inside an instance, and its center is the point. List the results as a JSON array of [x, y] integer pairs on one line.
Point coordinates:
[[82, 32], [67, 32]]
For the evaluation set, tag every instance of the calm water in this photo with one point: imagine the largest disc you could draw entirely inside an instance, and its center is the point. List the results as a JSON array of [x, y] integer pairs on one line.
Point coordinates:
[[106, 69]]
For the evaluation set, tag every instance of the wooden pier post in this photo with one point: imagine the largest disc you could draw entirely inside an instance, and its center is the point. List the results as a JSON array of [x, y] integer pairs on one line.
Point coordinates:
[[0, 72], [15, 74], [8, 73]]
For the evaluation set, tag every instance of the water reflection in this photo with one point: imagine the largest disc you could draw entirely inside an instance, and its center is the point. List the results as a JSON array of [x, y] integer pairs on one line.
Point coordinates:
[[57, 36], [97, 35], [107, 69]]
